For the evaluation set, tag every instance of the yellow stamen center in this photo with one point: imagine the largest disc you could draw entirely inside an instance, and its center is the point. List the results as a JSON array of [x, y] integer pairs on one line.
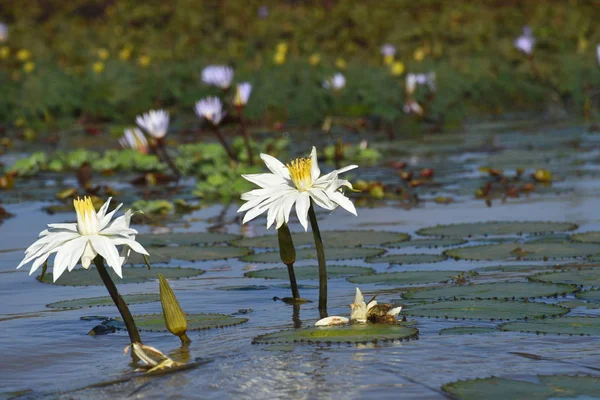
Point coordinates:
[[87, 219], [300, 173]]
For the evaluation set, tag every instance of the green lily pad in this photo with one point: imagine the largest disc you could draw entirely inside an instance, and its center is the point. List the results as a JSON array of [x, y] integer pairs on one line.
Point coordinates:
[[589, 295], [586, 237], [351, 334], [331, 253], [467, 330], [407, 259], [330, 239], [156, 322], [582, 277], [497, 389], [484, 309], [515, 268], [300, 285], [503, 290], [557, 238], [189, 253], [563, 326], [83, 277], [428, 243], [405, 278], [579, 303], [185, 238], [242, 288], [524, 251], [309, 272], [496, 228], [105, 301]]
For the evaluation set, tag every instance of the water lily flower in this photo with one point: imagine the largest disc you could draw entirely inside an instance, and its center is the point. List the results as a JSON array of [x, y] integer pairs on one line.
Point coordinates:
[[412, 107], [242, 94], [359, 309], [297, 182], [153, 358], [388, 51], [210, 108], [336, 82], [3, 32], [92, 234], [598, 53], [154, 122], [134, 139], [526, 41], [331, 321], [218, 75]]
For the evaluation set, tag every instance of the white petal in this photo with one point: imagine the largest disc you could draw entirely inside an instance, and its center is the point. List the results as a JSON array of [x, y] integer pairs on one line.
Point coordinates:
[[394, 311], [68, 255], [275, 166], [314, 169], [37, 263], [302, 205], [135, 246], [320, 198], [72, 227], [343, 201], [290, 199], [108, 251], [255, 212], [330, 321], [106, 218], [264, 180], [102, 210], [88, 256]]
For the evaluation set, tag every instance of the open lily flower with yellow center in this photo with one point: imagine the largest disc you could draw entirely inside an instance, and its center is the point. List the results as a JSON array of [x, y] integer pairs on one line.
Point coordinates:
[[210, 109], [297, 182], [93, 234], [155, 122], [134, 139], [242, 94]]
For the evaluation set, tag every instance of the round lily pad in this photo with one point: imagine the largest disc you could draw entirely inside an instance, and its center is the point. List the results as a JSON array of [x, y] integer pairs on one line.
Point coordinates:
[[242, 288], [563, 326], [309, 272], [405, 278], [514, 268], [524, 251], [189, 253], [467, 330], [105, 301], [503, 290], [582, 277], [351, 334], [589, 295], [497, 389], [484, 309], [185, 238], [579, 303], [586, 237], [83, 277], [428, 243], [331, 253], [407, 259], [156, 322], [300, 285], [496, 228], [330, 239]]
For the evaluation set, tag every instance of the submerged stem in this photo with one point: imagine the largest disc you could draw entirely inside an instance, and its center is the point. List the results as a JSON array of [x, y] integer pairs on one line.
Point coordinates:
[[321, 260], [247, 138], [223, 142], [164, 156], [134, 334]]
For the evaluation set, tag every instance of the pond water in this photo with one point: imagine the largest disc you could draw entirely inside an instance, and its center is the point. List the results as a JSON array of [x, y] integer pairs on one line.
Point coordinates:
[[47, 352]]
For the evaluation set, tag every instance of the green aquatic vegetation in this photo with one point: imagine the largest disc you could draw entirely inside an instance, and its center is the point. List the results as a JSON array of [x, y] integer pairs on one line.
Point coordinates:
[[350, 334], [154, 207], [589, 295], [583, 326], [524, 251], [467, 330], [354, 153], [105, 301], [515, 268], [185, 238], [581, 277], [408, 259], [309, 272], [492, 228], [195, 322], [586, 237], [427, 243], [349, 238], [405, 278], [189, 253], [333, 253]]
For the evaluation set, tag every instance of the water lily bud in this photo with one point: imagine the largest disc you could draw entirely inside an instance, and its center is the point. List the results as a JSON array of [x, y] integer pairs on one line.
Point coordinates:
[[174, 315], [286, 245]]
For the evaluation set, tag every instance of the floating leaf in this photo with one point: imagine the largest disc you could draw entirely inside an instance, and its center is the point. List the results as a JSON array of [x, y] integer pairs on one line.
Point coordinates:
[[105, 301], [331, 253], [524, 251], [351, 334], [330, 239], [582, 277], [156, 322], [563, 326], [242, 288], [405, 278], [185, 238], [515, 268], [407, 259], [189, 253], [503, 290], [496, 228], [497, 389], [467, 330], [89, 277], [484, 309], [579, 303], [589, 295], [428, 243], [309, 272], [586, 237]]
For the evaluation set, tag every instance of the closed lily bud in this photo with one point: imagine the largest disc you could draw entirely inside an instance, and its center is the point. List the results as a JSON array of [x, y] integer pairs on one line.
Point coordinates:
[[286, 245], [173, 314]]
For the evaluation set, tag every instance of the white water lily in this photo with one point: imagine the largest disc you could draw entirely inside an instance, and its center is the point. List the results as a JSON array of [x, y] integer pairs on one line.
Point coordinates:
[[332, 321], [359, 309], [526, 41], [153, 358], [297, 182], [134, 139], [242, 94], [412, 107], [211, 109], [3, 32], [92, 234], [598, 53], [218, 75], [336, 82], [411, 83], [388, 50], [154, 122]]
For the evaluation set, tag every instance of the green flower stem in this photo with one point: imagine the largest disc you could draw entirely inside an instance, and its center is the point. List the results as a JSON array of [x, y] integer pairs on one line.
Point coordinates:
[[321, 260], [134, 334], [246, 136], [288, 256], [164, 156], [223, 142]]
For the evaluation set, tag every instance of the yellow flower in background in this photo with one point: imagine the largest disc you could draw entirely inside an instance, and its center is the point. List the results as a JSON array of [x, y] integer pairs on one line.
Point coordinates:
[[314, 59], [582, 45], [279, 58], [341, 63], [281, 47], [419, 54], [4, 52], [98, 67], [23, 55], [388, 59], [20, 122], [125, 54], [144, 61], [103, 54], [397, 68], [29, 66]]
